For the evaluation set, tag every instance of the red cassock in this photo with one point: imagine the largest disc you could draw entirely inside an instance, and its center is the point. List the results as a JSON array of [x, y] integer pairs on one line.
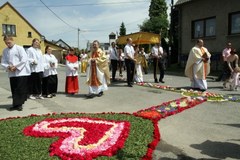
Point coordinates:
[[71, 85]]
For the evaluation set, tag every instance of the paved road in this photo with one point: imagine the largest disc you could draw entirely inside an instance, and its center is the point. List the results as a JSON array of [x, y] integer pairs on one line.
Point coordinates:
[[207, 131]]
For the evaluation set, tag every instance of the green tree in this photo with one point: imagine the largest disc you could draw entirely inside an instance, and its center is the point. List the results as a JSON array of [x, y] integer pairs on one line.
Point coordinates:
[[122, 30], [158, 19]]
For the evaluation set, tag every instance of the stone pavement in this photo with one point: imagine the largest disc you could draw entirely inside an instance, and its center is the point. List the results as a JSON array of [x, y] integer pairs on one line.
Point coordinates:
[[207, 131]]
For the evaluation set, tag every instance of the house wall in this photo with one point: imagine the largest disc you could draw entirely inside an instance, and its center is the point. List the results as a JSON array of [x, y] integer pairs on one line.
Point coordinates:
[[9, 16], [201, 9], [62, 44], [56, 51]]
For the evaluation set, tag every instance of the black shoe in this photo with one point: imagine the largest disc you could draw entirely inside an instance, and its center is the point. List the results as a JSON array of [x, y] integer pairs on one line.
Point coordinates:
[[156, 81], [218, 79], [100, 94], [198, 89], [12, 108], [114, 80], [161, 81], [129, 85], [90, 95], [20, 108]]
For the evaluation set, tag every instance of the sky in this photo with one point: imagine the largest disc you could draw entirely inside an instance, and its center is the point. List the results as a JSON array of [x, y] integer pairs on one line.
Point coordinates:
[[78, 21]]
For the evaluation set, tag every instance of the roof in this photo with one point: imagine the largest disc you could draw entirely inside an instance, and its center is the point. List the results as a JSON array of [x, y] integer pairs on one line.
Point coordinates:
[[49, 42], [180, 2], [7, 3], [112, 33], [60, 40], [140, 38]]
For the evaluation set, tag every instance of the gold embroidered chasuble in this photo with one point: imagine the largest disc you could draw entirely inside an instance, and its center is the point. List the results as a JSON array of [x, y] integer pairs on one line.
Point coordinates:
[[102, 64]]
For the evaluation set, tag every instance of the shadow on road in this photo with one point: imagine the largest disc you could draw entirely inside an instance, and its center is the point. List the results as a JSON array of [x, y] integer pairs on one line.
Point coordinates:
[[7, 106], [219, 150], [232, 125], [183, 157]]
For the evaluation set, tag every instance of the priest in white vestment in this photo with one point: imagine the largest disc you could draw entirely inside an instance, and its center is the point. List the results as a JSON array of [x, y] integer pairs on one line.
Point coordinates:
[[198, 66]]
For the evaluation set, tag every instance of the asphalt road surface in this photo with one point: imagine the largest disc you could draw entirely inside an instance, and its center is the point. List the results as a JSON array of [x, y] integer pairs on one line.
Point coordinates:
[[210, 130]]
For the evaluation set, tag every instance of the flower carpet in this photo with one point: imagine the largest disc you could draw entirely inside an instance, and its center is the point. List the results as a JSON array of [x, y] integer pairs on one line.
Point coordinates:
[[78, 136], [213, 97], [83, 136]]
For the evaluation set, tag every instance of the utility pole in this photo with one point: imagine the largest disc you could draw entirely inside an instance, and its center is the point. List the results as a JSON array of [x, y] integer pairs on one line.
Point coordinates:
[[78, 38]]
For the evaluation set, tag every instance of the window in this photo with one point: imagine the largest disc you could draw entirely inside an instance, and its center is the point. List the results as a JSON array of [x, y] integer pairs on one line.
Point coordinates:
[[29, 34], [9, 29], [234, 23], [210, 27], [204, 28], [198, 29]]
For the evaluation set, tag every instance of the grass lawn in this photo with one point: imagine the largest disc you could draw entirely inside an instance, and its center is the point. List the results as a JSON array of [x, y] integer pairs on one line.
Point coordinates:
[[15, 145]]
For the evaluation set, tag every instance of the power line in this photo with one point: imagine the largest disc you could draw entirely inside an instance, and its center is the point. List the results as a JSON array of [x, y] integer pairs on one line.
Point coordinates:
[[84, 37], [109, 3], [58, 16], [51, 35], [113, 27], [89, 4]]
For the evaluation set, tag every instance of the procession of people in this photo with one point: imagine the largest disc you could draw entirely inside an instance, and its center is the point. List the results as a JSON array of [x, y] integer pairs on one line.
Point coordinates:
[[34, 75]]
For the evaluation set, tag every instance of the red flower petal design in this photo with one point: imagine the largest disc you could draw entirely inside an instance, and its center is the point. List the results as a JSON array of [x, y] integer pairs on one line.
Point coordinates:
[[81, 138]]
